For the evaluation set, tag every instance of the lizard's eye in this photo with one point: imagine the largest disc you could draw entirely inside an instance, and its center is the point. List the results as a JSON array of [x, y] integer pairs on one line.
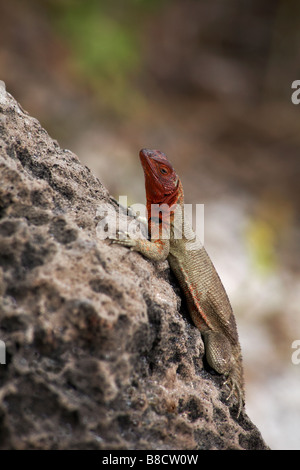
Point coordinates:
[[163, 171]]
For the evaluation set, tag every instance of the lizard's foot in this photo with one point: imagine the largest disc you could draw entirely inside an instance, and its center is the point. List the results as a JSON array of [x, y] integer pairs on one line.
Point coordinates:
[[235, 389], [131, 212], [124, 239]]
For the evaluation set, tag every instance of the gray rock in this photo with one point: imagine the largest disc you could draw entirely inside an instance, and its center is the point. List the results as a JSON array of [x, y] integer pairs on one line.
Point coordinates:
[[100, 352]]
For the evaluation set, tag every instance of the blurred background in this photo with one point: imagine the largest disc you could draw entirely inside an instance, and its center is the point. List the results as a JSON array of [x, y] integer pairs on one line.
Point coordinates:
[[208, 83]]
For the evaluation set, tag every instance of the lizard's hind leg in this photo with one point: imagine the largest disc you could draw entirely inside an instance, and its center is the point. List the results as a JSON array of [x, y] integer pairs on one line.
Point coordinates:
[[220, 357]]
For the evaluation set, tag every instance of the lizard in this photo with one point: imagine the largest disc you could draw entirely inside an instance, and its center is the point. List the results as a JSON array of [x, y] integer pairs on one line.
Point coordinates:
[[171, 238]]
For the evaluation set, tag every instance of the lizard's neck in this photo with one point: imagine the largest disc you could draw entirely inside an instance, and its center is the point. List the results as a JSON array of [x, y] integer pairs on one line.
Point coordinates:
[[162, 212], [170, 200], [180, 195]]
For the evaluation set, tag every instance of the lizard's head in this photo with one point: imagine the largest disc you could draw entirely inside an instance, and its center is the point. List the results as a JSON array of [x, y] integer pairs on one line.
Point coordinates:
[[160, 177]]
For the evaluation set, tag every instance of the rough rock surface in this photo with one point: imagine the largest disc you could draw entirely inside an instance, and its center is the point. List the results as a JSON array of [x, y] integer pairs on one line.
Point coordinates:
[[100, 353]]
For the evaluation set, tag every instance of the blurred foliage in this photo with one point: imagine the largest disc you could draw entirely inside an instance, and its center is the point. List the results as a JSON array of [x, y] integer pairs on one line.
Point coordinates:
[[266, 231], [105, 48], [261, 239]]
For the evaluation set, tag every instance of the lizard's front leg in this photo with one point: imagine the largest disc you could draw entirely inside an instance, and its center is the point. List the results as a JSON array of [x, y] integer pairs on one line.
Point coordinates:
[[156, 250]]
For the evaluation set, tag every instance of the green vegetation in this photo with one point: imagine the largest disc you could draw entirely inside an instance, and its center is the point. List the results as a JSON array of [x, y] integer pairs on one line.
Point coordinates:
[[104, 43], [261, 241]]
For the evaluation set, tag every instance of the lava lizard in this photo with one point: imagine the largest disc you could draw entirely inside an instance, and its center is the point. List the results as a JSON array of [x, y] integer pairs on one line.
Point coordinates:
[[173, 239]]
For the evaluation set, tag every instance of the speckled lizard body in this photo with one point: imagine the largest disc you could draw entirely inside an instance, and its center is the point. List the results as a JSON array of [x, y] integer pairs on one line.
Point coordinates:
[[172, 238]]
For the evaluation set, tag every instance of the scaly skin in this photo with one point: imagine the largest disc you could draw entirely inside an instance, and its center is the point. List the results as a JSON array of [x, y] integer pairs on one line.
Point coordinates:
[[207, 300]]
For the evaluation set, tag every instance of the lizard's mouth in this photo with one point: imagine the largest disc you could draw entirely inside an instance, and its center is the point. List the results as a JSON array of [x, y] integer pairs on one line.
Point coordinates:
[[149, 158], [145, 153], [146, 157]]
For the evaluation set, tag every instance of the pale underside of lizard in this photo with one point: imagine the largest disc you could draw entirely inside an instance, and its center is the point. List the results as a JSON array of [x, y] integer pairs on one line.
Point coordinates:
[[172, 238]]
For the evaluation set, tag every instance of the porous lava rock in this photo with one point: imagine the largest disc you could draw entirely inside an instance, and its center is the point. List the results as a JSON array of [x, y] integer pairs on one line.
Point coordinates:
[[100, 351]]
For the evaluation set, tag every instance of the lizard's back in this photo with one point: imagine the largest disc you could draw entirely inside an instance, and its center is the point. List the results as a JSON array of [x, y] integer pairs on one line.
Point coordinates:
[[207, 301], [202, 286]]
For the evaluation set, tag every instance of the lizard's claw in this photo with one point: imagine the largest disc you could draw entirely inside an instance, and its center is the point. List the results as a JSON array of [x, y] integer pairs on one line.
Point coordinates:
[[234, 390], [129, 242]]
